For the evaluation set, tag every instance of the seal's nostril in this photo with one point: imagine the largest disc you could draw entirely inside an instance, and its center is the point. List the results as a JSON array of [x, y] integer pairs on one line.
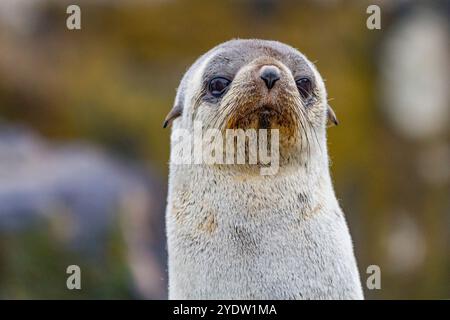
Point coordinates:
[[270, 75]]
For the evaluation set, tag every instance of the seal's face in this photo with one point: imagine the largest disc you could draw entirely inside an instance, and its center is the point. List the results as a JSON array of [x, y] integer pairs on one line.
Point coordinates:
[[255, 84], [260, 85]]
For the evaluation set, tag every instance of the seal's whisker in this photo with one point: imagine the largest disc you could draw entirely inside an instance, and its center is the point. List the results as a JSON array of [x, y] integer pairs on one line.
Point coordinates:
[[315, 135], [306, 135]]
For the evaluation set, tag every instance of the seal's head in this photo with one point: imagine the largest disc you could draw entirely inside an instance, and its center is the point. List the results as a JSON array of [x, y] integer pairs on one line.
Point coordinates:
[[255, 84]]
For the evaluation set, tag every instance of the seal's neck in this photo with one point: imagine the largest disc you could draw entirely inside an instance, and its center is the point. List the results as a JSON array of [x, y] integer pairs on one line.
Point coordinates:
[[302, 180], [295, 187]]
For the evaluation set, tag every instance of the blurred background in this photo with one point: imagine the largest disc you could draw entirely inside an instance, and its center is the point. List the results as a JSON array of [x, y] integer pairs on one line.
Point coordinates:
[[83, 156]]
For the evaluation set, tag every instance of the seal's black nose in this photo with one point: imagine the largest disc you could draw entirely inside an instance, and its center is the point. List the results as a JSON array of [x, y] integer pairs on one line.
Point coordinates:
[[270, 75]]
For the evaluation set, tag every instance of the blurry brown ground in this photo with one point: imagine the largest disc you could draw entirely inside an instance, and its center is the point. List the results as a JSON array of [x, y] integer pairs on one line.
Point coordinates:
[[112, 83]]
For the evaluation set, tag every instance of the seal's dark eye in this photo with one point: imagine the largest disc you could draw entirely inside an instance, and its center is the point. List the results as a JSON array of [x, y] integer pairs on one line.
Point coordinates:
[[217, 86], [304, 86]]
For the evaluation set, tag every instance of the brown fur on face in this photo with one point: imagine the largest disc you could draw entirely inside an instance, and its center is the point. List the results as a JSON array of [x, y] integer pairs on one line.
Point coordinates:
[[250, 105]]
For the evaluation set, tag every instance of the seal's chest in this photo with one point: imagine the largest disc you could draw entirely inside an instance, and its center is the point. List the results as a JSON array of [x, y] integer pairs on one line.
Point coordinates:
[[242, 237]]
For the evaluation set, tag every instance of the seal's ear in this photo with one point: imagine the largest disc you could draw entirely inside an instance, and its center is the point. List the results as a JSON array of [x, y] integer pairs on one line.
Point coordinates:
[[331, 117], [173, 114]]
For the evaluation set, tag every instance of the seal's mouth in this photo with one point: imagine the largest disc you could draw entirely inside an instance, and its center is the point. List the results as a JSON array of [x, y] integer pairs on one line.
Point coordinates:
[[266, 116], [261, 117]]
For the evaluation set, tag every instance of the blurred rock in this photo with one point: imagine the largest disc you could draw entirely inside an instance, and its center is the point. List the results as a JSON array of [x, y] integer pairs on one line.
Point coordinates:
[[415, 74], [80, 192]]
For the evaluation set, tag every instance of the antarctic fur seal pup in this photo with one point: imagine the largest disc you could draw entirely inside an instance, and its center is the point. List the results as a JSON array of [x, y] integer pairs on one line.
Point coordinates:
[[234, 233]]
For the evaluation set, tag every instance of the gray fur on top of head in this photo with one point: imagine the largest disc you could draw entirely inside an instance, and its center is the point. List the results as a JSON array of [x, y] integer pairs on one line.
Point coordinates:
[[234, 235]]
